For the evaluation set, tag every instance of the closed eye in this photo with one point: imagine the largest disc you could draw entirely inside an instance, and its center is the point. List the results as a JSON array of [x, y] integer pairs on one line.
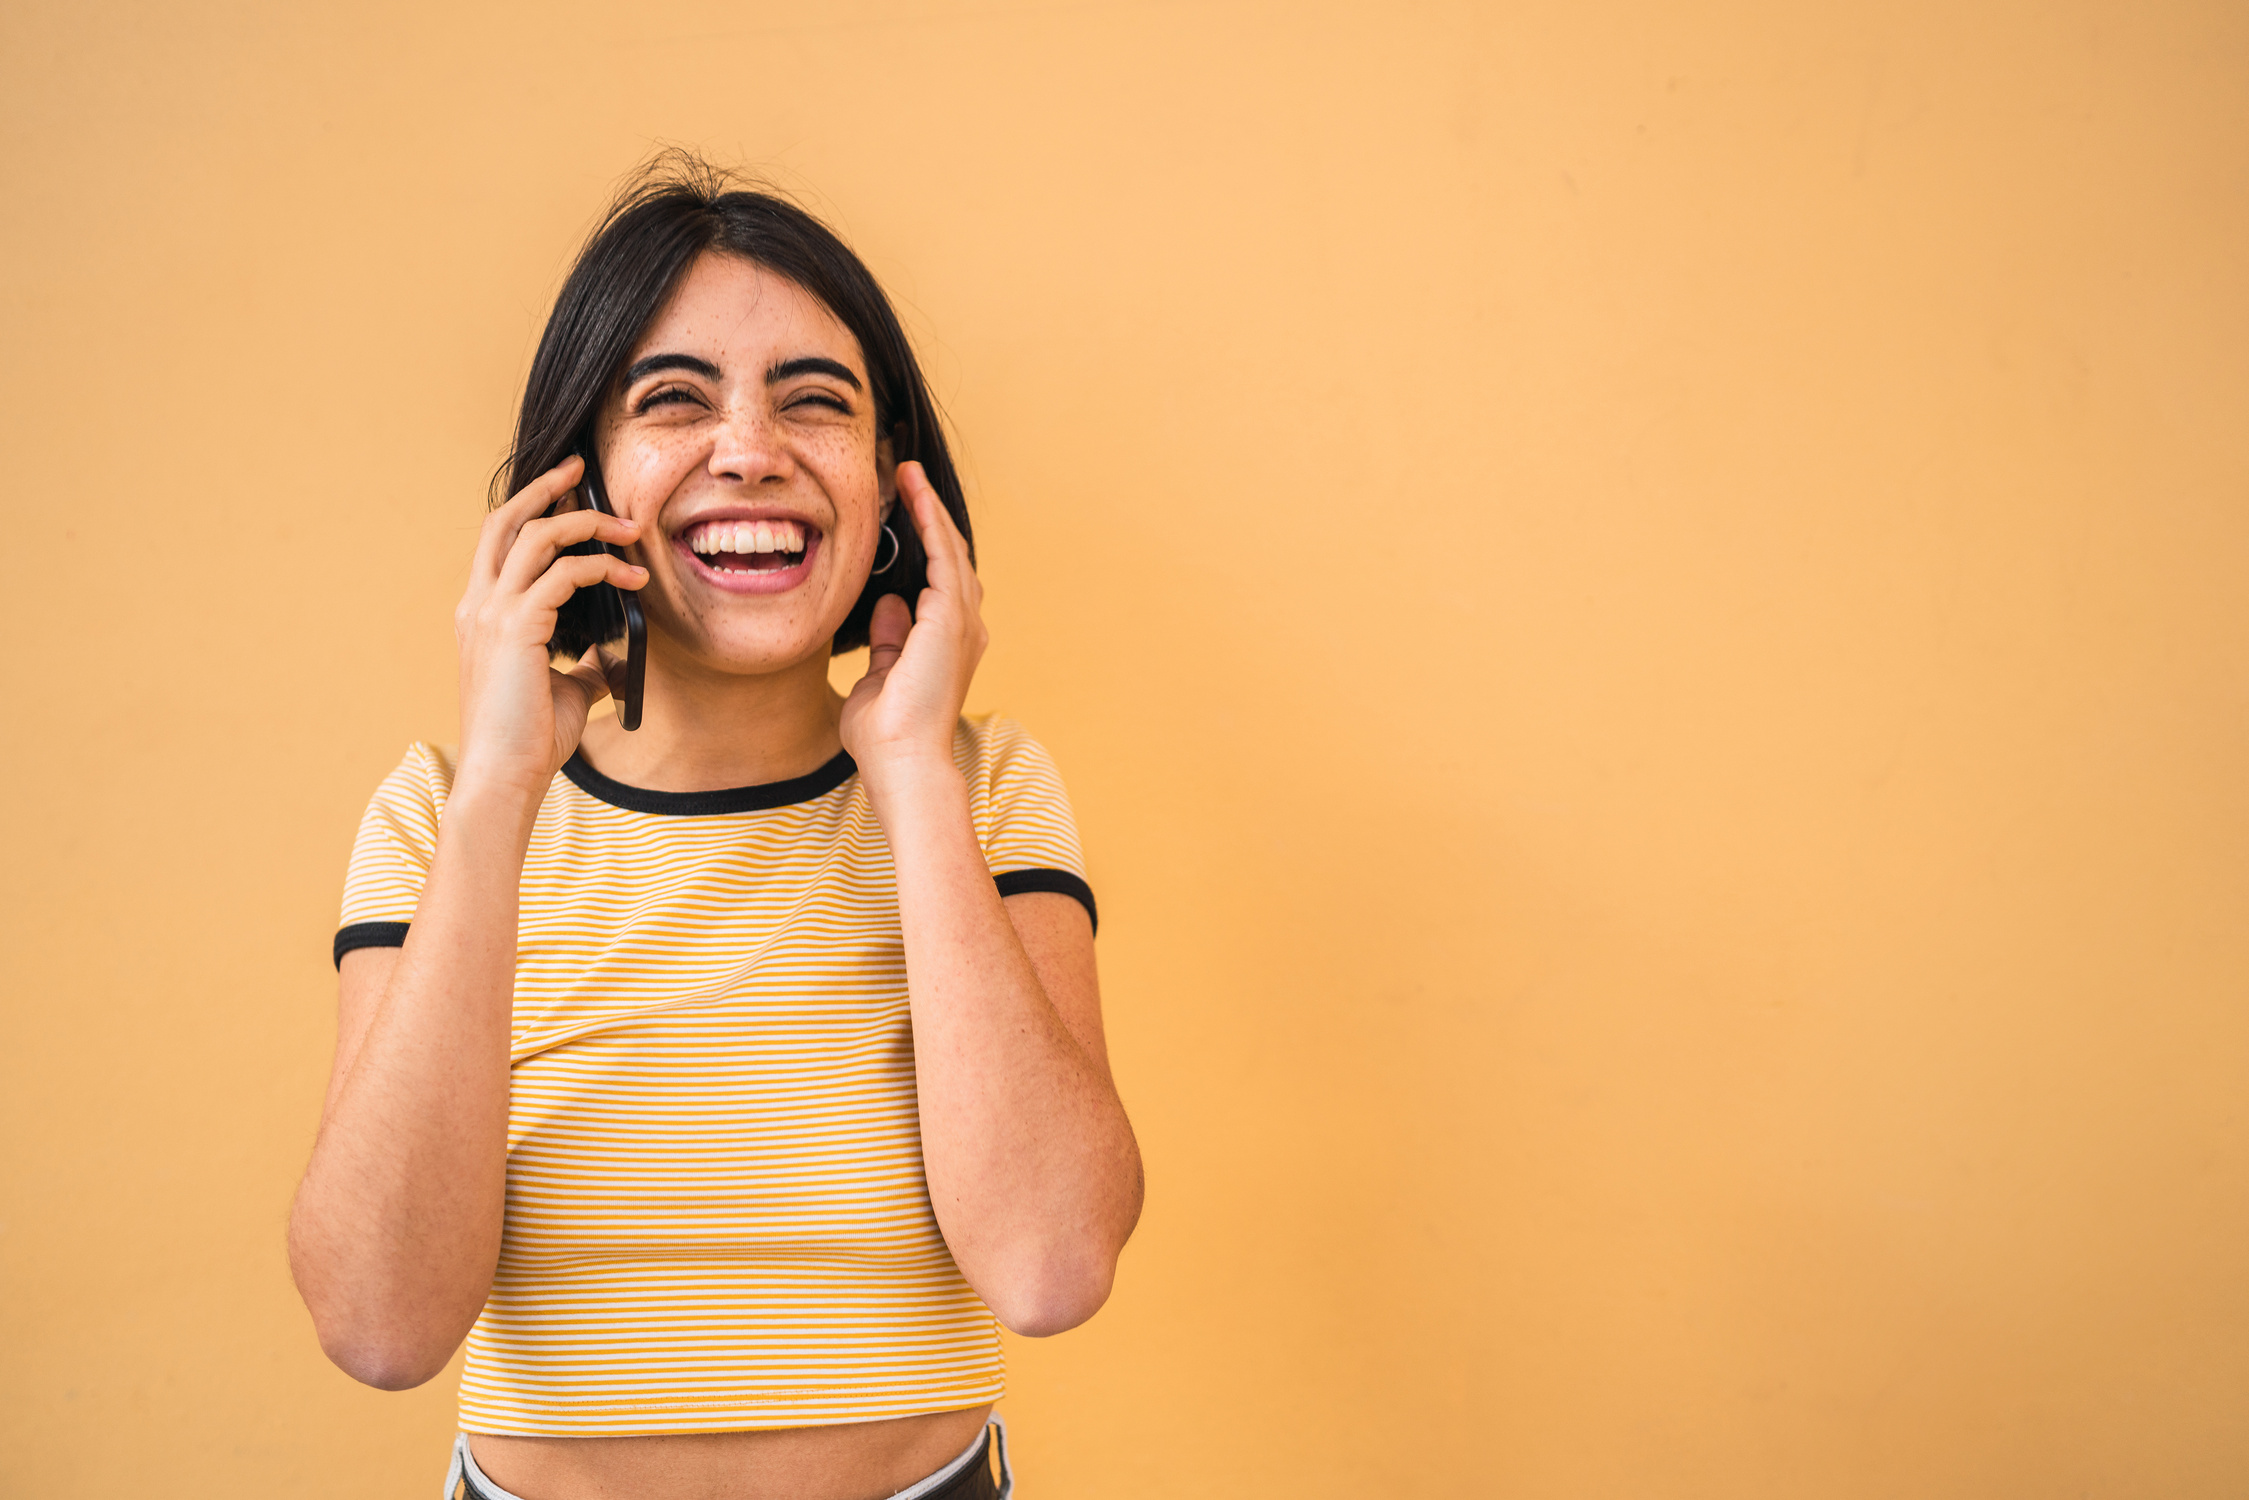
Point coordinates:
[[667, 395]]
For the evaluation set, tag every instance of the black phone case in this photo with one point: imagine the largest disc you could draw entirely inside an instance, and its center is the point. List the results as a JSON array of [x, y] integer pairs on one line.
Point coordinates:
[[619, 610]]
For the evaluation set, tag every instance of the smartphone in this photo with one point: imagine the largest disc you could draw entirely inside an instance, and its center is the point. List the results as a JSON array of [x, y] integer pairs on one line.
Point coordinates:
[[618, 611]]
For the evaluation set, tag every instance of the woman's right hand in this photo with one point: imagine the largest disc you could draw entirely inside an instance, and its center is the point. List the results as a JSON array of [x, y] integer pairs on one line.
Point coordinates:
[[520, 717], [397, 1227]]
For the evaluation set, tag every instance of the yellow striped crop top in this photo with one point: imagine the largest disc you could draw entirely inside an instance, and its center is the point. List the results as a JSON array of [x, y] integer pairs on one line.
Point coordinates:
[[716, 1214]]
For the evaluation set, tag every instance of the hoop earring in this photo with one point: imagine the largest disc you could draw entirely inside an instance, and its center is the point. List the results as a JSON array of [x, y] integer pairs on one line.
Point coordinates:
[[896, 547]]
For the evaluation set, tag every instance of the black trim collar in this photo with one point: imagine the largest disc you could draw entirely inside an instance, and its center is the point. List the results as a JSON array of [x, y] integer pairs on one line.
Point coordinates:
[[739, 799]]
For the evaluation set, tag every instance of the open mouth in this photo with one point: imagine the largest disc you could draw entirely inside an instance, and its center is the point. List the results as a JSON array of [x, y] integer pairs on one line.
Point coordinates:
[[749, 547]]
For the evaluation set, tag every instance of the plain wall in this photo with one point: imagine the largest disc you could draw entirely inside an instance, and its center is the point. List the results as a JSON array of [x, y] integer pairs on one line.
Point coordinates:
[[1643, 605]]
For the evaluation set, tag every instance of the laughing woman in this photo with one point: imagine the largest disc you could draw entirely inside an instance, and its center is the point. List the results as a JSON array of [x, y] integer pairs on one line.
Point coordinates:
[[720, 1081]]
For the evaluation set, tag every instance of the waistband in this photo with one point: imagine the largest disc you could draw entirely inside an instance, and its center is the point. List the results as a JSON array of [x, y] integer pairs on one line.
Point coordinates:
[[463, 1470]]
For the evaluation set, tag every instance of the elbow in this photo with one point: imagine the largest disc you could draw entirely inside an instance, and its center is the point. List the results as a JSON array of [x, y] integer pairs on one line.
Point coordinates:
[[1052, 1283], [383, 1329], [378, 1341], [385, 1362], [1053, 1294]]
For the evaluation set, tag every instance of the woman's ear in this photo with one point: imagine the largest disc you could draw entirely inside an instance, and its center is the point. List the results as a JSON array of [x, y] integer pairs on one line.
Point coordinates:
[[886, 468]]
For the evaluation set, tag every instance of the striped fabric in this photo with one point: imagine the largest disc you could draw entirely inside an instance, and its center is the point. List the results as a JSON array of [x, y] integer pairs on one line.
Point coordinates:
[[716, 1216]]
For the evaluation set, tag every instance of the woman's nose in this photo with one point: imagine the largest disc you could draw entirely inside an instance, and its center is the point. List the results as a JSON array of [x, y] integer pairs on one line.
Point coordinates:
[[749, 450]]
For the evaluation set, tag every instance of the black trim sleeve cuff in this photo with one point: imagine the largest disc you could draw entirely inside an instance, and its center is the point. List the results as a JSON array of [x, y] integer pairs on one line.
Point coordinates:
[[1013, 883], [369, 935], [1060, 882]]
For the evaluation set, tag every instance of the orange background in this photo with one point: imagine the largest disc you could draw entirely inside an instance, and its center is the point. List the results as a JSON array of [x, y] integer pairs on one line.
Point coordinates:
[[1644, 606]]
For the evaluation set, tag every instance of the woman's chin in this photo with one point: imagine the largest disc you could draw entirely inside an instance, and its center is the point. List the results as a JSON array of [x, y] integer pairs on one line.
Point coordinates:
[[757, 653]]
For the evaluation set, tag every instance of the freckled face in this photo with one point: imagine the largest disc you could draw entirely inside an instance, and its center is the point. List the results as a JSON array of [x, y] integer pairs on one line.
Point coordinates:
[[742, 438]]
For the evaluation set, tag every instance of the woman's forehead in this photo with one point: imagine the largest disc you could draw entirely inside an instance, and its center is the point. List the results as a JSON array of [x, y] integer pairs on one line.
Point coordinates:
[[728, 306]]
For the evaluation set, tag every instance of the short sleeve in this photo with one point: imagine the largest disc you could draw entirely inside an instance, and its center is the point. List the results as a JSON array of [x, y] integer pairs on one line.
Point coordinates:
[[1023, 819], [390, 860]]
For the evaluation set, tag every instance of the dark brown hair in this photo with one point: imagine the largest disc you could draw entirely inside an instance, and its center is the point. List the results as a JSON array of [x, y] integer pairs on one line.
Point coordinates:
[[674, 210]]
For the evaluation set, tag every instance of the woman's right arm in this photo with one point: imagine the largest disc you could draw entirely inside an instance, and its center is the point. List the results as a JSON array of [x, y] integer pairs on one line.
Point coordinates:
[[396, 1227]]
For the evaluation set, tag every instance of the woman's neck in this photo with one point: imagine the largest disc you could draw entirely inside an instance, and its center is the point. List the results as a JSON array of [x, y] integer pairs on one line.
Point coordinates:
[[705, 732]]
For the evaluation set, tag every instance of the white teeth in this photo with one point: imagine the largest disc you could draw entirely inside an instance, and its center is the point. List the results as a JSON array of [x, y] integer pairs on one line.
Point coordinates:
[[746, 537]]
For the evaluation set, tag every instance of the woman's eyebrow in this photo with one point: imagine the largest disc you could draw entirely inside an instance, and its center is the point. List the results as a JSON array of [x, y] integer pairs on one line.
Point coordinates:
[[655, 362], [810, 364]]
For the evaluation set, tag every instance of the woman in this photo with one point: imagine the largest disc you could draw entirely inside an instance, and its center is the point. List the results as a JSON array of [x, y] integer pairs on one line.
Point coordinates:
[[718, 1080]]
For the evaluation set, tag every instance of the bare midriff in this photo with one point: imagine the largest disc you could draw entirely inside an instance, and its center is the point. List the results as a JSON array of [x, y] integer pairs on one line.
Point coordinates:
[[852, 1461]]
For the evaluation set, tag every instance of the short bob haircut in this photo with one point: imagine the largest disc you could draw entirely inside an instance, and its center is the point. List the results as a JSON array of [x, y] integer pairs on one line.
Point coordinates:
[[672, 211]]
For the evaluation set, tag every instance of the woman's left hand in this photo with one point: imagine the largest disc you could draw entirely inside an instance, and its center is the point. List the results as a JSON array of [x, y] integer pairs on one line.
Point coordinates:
[[1031, 1166], [901, 716]]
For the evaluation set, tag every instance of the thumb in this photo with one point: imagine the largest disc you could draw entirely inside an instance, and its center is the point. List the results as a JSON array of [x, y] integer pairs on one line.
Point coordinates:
[[593, 674], [886, 633]]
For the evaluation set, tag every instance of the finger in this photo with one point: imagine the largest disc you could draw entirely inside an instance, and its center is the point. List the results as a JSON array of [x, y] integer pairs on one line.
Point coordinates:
[[534, 499], [554, 587], [887, 630], [953, 581], [941, 540], [540, 542], [931, 520]]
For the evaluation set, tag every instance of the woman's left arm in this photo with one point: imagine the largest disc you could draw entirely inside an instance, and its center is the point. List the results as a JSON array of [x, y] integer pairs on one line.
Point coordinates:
[[1032, 1166]]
